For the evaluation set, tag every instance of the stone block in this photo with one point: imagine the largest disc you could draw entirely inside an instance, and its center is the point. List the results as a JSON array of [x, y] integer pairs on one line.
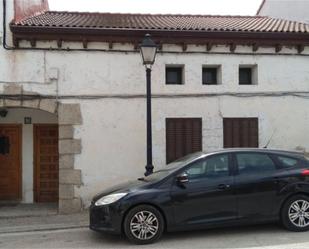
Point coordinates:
[[66, 161], [12, 89], [69, 114], [70, 176], [69, 206], [31, 103], [70, 146], [66, 132], [12, 103], [66, 191], [48, 105]]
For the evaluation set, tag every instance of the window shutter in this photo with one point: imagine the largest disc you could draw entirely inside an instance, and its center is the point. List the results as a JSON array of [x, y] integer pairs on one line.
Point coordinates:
[[183, 136], [240, 132]]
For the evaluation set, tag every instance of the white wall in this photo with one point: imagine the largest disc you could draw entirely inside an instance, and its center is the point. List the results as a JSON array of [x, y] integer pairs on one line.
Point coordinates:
[[16, 116], [296, 10]]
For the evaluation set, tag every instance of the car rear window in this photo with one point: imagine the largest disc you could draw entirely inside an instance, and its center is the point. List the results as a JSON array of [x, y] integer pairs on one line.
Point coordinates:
[[287, 162], [254, 163]]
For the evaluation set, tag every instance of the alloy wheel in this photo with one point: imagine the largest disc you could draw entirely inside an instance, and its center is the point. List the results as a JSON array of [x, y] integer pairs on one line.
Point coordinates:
[[144, 225], [299, 213]]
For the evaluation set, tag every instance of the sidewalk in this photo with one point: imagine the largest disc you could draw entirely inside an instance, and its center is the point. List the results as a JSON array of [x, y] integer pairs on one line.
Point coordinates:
[[28, 218]]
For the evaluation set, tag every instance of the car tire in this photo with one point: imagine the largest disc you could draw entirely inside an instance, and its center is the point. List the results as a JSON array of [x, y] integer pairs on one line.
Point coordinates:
[[143, 224], [293, 213]]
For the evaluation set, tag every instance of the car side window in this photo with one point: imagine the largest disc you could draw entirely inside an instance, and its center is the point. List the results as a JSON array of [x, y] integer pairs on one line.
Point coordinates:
[[254, 163], [287, 162], [214, 166]]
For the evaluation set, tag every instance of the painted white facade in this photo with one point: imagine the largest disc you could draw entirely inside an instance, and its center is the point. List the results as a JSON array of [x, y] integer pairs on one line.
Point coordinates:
[[296, 10], [113, 132]]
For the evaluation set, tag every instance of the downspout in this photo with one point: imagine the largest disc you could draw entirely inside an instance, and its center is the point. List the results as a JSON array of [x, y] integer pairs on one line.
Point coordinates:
[[4, 44]]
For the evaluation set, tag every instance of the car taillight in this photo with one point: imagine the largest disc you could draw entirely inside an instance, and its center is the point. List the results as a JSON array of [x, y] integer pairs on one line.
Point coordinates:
[[305, 172]]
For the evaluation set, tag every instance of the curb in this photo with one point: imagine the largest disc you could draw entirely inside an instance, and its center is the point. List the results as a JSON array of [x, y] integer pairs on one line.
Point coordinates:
[[15, 230]]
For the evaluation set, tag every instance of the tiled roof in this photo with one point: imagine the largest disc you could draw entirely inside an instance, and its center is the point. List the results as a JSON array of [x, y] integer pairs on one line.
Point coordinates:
[[167, 22]]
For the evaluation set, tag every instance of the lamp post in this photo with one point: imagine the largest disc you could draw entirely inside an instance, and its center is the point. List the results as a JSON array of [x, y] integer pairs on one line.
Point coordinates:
[[148, 51]]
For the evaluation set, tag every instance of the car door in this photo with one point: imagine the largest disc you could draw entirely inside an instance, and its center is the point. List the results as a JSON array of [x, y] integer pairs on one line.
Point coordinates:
[[208, 196], [255, 185]]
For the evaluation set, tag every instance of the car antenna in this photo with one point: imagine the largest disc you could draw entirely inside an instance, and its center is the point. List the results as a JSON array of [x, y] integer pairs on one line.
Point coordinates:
[[265, 147]]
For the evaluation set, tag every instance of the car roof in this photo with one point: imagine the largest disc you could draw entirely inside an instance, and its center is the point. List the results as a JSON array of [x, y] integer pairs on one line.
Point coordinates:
[[258, 150]]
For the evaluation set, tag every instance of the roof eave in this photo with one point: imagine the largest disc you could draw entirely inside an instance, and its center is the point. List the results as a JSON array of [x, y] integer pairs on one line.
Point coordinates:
[[159, 35]]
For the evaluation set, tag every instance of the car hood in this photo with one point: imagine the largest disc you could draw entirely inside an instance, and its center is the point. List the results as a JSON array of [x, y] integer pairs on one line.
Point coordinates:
[[129, 186]]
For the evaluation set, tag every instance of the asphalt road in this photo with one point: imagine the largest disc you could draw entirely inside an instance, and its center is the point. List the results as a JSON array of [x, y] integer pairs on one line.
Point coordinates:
[[262, 236]]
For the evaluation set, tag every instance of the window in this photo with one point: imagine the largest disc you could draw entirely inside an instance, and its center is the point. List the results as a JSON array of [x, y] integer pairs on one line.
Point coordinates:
[[254, 163], [173, 75], [248, 75], [245, 76], [183, 136], [215, 166], [210, 75], [240, 132], [287, 162]]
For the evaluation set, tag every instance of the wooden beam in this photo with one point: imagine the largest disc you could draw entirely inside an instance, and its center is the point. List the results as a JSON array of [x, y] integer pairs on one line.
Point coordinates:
[[278, 48], [184, 47], [209, 46], [16, 42], [300, 48], [255, 47], [59, 43], [85, 44], [33, 43], [232, 47], [136, 45]]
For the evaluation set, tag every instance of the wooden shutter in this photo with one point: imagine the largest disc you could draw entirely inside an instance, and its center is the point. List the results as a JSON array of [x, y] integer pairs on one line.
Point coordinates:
[[240, 132], [183, 136]]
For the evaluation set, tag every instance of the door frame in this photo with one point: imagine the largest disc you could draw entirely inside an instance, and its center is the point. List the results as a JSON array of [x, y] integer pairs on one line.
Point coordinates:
[[20, 159], [35, 159]]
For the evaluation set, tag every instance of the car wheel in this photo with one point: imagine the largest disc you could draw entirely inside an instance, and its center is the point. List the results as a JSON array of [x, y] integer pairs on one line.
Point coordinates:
[[295, 213], [143, 224]]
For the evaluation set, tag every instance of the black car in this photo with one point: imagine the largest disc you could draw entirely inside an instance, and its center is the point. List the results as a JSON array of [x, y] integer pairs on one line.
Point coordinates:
[[202, 190]]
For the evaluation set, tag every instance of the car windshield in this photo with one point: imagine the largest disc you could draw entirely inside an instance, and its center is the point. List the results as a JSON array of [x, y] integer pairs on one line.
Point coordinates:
[[171, 167]]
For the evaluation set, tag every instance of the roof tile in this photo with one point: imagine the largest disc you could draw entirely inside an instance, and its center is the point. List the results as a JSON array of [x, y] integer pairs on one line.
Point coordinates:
[[162, 22]]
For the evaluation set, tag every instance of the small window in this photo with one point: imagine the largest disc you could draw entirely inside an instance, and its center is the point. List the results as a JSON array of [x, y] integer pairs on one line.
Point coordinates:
[[254, 163], [245, 76], [215, 166], [210, 76], [287, 162], [174, 75]]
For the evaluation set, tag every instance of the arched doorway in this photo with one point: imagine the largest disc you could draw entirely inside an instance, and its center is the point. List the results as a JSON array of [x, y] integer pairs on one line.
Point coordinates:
[[29, 170], [51, 113]]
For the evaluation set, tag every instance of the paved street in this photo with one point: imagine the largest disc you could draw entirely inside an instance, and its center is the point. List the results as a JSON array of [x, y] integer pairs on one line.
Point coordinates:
[[262, 236]]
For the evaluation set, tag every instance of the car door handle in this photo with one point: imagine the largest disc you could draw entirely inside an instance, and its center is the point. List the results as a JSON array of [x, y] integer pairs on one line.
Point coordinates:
[[223, 186]]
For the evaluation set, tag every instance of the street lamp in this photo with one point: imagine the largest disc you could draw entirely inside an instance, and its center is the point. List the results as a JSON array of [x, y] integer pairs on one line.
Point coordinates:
[[148, 51]]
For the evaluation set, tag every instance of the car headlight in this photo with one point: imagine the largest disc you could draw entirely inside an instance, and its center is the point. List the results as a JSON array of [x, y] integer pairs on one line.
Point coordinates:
[[108, 199]]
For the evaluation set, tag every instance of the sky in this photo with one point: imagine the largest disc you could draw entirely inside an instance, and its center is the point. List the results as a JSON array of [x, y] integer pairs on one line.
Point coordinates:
[[213, 7]]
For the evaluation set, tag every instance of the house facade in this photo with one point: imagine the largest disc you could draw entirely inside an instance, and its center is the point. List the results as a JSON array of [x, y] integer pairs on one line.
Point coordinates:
[[73, 88]]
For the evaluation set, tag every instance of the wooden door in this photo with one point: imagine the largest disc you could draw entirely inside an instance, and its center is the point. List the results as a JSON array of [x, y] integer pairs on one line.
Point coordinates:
[[183, 136], [240, 132], [10, 164], [46, 169]]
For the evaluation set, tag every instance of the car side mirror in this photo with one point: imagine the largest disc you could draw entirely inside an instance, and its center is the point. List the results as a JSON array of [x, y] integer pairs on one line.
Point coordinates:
[[182, 179]]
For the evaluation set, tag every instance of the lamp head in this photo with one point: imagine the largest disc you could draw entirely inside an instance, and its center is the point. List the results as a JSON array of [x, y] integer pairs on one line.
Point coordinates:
[[148, 50]]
